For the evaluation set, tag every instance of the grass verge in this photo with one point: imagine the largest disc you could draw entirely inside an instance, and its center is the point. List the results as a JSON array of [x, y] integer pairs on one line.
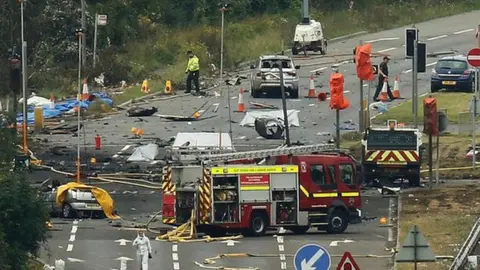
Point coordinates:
[[453, 103], [445, 216], [161, 55], [453, 150]]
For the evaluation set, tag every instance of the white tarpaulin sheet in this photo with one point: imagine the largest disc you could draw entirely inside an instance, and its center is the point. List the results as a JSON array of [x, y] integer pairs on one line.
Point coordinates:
[[144, 153], [36, 101], [250, 116], [202, 140]]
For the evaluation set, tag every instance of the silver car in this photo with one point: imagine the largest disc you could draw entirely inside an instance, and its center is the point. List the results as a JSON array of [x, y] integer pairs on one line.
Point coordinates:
[[265, 76], [78, 203]]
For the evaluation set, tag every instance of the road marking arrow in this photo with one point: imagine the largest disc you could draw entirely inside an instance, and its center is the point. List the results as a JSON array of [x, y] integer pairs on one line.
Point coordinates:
[[335, 243], [230, 243], [74, 260], [123, 262], [122, 242], [309, 265]]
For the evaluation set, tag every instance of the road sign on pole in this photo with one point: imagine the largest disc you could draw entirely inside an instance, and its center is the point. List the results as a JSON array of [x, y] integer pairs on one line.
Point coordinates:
[[347, 262], [473, 57], [415, 248], [102, 20], [312, 257]]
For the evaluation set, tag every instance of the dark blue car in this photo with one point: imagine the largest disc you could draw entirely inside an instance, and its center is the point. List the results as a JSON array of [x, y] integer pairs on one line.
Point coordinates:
[[452, 73]]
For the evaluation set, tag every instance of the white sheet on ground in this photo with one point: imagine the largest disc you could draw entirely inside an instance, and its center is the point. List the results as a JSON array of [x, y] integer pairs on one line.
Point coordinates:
[[36, 101], [250, 116], [144, 153]]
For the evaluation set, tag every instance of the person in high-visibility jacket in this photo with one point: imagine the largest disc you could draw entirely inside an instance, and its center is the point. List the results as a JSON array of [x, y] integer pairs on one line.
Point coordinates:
[[193, 71]]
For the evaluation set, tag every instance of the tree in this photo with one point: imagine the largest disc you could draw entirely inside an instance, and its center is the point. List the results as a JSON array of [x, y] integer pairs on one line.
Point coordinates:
[[23, 213]]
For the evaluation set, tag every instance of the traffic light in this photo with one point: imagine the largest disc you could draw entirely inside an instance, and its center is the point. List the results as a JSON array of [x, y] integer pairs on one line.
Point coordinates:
[[430, 116], [410, 35], [421, 58], [15, 73]]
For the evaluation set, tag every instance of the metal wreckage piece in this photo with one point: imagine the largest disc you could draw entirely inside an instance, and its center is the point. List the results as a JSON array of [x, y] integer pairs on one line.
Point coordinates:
[[270, 128]]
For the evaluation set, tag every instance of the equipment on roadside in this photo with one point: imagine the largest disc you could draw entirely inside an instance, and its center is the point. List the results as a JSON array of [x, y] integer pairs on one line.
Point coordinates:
[[309, 34], [295, 187], [392, 153]]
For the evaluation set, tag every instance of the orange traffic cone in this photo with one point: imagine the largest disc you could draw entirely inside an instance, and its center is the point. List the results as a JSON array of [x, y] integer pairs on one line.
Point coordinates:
[[85, 93], [145, 88], [384, 94], [311, 90], [396, 88], [52, 101], [168, 87], [241, 105]]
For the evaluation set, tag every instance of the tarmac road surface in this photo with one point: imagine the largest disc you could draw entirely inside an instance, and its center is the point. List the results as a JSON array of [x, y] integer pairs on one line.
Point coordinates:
[[95, 244]]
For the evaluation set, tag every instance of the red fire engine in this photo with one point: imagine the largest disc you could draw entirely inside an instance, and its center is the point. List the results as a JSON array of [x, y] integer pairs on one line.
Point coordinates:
[[294, 190]]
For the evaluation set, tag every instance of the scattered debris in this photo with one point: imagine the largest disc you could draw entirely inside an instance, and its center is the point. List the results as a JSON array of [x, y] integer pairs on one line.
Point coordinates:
[[138, 111], [260, 105], [270, 128], [145, 153], [250, 116]]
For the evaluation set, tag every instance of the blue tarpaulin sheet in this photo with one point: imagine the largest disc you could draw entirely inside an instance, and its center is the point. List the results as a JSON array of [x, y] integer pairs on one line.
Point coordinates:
[[62, 107]]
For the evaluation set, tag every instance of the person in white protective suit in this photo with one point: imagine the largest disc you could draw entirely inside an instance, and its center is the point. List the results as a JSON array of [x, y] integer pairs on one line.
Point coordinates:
[[144, 250]]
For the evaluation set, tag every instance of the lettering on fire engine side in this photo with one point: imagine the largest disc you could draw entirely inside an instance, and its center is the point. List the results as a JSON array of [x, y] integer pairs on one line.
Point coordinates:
[[255, 170]]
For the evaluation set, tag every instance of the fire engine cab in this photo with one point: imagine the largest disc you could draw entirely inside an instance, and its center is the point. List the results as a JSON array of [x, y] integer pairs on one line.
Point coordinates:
[[296, 187]]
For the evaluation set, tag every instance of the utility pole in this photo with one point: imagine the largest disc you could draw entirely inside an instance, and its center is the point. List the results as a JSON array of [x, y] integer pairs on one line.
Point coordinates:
[[24, 79], [95, 41], [362, 107], [79, 32], [84, 27], [222, 10]]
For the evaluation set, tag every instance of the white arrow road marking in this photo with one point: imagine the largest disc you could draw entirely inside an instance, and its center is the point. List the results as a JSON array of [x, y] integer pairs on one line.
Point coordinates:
[[309, 265], [437, 37], [230, 243], [74, 260], [69, 247], [335, 243], [463, 31], [123, 262], [122, 242]]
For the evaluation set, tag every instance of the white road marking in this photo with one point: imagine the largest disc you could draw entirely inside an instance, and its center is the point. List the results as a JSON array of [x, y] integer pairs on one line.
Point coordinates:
[[281, 248], [283, 257], [74, 229], [176, 266], [69, 247], [463, 31], [115, 156], [125, 148], [283, 265], [176, 263], [175, 248], [437, 37], [175, 256], [75, 222], [318, 69], [428, 65], [382, 39], [72, 238], [387, 50]]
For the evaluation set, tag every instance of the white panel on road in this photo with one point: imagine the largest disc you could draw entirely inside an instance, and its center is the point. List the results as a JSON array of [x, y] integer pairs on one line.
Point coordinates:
[[72, 238], [176, 266], [175, 248], [175, 256], [74, 229], [69, 247]]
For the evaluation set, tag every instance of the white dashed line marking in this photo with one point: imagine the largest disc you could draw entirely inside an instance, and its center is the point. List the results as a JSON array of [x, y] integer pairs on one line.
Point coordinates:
[[318, 69], [72, 238], [382, 39], [75, 222], [70, 247], [437, 37], [176, 264], [463, 31], [387, 50], [74, 229], [125, 148], [281, 248], [115, 156]]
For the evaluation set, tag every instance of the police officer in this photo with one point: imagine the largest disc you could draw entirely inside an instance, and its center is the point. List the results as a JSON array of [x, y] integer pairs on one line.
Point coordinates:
[[383, 78], [193, 71]]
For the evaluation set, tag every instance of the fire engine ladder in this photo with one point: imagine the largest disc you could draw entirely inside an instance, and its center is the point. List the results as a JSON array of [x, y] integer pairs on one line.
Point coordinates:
[[267, 153]]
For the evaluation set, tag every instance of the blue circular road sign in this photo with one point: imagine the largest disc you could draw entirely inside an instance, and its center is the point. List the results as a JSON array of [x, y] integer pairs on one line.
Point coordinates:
[[312, 257]]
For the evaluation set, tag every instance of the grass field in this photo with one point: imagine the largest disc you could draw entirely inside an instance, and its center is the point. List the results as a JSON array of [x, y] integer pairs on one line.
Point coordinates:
[[453, 103], [445, 216]]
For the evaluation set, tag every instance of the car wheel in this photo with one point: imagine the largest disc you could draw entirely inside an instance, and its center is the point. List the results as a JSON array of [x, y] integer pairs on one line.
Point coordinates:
[[294, 93], [67, 211], [258, 224], [299, 229], [337, 222]]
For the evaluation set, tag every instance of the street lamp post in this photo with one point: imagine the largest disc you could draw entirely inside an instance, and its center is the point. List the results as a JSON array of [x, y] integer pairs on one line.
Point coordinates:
[[79, 33], [24, 78], [222, 9]]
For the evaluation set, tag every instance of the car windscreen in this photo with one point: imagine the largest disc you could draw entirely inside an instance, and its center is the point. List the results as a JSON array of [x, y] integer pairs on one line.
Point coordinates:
[[274, 63], [451, 64]]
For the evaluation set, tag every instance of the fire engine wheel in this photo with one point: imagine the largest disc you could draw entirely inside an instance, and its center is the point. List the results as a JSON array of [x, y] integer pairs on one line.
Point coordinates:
[[258, 224], [337, 222]]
